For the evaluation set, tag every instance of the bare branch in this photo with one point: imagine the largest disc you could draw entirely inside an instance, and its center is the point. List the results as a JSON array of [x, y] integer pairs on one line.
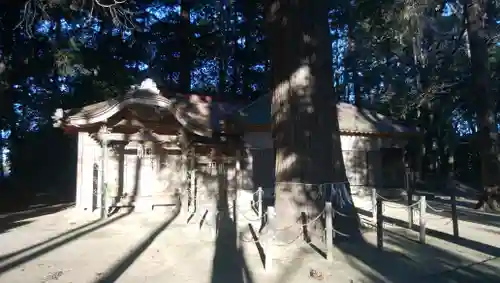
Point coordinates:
[[34, 10], [115, 3]]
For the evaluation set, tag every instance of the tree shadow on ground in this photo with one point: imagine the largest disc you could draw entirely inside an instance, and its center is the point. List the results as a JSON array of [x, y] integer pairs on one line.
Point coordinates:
[[54, 243], [406, 260], [6, 227], [12, 203], [467, 243], [465, 211], [47, 241], [13, 220], [228, 264], [114, 273], [410, 261]]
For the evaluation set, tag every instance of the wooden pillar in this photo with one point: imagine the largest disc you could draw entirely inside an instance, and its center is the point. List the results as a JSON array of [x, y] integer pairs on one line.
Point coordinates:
[[238, 170], [329, 230], [237, 188], [192, 198], [184, 189], [423, 209], [104, 169], [80, 201]]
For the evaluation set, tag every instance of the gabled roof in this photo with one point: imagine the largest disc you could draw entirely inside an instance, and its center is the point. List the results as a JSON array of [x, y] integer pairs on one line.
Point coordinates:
[[201, 115], [196, 113], [352, 119]]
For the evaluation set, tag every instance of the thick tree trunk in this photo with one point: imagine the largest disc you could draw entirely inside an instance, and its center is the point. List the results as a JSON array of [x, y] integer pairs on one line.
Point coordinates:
[[485, 104], [305, 126], [186, 56]]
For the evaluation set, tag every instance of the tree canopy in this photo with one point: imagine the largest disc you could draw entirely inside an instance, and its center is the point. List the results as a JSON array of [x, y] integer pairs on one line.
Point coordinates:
[[431, 64]]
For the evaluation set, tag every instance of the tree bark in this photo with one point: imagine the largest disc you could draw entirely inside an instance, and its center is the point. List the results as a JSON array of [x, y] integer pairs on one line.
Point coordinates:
[[485, 104], [305, 125]]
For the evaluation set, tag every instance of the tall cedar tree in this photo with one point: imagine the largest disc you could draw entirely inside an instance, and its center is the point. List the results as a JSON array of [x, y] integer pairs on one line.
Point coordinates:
[[305, 124]]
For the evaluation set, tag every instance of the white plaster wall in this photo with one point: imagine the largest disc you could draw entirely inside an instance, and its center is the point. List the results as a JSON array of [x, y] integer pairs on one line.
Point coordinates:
[[355, 161], [89, 152], [79, 170], [368, 143], [112, 174], [208, 180], [172, 176], [158, 187], [350, 144], [356, 173], [258, 165]]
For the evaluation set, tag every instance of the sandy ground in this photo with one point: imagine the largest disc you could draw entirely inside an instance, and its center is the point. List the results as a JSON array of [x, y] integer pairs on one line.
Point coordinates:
[[70, 247]]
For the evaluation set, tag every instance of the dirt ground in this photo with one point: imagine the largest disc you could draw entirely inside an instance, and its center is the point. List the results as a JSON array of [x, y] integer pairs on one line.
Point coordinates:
[[65, 246]]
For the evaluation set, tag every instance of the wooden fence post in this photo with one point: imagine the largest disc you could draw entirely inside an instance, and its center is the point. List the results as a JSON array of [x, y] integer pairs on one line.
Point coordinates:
[[423, 209], [409, 201], [305, 230], [329, 230], [259, 202], [104, 181], [270, 240], [410, 209], [374, 206], [380, 224], [235, 220], [454, 215]]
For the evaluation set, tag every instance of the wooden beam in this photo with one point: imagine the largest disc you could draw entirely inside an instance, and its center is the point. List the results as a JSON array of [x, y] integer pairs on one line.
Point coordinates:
[[141, 136]]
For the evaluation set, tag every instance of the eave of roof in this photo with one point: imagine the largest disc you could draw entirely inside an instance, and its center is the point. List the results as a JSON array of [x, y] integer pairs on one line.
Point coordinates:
[[201, 115]]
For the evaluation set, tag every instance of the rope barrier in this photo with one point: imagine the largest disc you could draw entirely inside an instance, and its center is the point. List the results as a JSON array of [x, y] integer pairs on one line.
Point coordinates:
[[269, 233], [434, 209], [415, 212], [338, 213], [251, 219], [287, 243], [401, 206], [391, 200]]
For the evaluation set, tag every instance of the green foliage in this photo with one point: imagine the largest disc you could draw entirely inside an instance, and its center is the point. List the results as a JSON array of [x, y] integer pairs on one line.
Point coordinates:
[[405, 55]]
